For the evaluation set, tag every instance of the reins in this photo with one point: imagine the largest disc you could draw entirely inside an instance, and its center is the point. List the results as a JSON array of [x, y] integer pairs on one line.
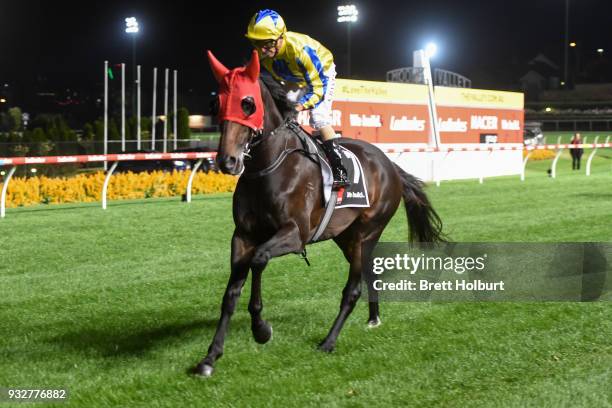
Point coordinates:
[[258, 137]]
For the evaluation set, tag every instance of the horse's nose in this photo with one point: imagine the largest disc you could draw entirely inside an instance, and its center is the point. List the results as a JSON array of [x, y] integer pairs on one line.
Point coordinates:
[[228, 163]]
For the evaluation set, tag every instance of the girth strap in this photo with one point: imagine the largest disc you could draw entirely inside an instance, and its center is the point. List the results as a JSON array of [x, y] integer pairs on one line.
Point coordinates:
[[329, 210]]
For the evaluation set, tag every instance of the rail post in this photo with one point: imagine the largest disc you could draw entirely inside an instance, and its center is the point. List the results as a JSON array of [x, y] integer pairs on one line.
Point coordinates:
[[109, 173], [553, 173], [487, 158], [4, 190], [434, 173], [438, 173], [194, 170], [591, 156], [525, 165]]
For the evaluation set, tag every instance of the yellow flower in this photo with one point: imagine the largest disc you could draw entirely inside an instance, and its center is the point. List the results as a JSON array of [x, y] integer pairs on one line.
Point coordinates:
[[88, 187], [540, 154]]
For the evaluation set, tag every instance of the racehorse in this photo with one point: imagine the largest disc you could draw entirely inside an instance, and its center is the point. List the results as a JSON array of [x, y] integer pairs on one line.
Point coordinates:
[[278, 201]]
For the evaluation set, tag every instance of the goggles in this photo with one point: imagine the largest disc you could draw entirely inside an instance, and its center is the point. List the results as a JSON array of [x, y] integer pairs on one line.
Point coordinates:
[[265, 45]]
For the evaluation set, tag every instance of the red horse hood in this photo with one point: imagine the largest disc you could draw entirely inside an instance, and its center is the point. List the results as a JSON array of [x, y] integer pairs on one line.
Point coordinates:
[[234, 86]]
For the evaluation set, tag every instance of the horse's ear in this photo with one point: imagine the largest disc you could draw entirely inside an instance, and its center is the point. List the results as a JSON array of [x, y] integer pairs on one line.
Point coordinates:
[[252, 69], [218, 69]]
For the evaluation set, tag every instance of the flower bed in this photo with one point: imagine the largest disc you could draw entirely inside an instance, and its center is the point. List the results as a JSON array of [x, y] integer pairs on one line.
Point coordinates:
[[88, 187], [540, 154]]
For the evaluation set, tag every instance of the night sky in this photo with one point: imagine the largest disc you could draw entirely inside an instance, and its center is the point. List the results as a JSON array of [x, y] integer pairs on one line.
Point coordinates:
[[66, 42]]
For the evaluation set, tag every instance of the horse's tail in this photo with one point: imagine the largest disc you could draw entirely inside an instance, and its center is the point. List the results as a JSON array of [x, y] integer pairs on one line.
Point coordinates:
[[425, 224]]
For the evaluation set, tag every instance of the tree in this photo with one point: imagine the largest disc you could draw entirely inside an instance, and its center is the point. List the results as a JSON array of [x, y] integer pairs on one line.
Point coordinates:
[[88, 132], [145, 126], [43, 120], [37, 142], [98, 130], [16, 145], [42, 143], [183, 124], [4, 146], [113, 130], [15, 116], [5, 122]]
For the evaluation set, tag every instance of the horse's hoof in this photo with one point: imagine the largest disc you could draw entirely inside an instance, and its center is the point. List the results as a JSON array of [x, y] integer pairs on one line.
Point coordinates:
[[372, 324], [203, 370], [326, 347], [262, 333]]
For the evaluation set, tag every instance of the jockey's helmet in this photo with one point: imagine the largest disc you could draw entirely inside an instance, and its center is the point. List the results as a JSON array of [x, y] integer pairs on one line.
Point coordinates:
[[266, 25]]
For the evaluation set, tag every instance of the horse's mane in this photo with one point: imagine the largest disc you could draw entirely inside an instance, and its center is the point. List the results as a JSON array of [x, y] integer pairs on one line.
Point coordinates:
[[279, 95]]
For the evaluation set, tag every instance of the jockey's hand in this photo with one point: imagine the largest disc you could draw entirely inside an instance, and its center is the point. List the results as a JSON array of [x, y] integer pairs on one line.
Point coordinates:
[[299, 107]]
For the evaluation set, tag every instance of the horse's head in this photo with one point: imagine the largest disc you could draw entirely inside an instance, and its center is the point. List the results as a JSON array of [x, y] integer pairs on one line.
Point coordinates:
[[241, 111]]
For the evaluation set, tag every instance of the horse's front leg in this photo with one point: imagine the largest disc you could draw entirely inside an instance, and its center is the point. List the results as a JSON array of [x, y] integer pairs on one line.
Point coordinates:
[[285, 241], [262, 331], [242, 252]]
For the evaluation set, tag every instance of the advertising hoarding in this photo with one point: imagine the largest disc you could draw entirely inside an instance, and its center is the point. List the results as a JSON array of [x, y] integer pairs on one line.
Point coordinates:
[[386, 112]]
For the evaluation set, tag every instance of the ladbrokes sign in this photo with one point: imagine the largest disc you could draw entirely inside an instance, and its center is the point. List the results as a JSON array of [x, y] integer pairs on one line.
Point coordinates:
[[385, 112]]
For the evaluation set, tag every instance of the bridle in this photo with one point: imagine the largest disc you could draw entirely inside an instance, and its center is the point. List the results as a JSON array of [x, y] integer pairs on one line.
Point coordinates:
[[257, 137]]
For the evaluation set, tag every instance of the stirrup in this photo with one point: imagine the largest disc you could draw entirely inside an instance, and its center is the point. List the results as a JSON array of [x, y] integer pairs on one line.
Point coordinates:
[[341, 181]]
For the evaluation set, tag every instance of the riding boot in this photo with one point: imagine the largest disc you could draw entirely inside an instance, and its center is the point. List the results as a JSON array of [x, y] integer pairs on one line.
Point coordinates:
[[332, 151]]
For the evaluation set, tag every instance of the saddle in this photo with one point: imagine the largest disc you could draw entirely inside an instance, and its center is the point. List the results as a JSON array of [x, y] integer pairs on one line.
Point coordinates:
[[355, 195]]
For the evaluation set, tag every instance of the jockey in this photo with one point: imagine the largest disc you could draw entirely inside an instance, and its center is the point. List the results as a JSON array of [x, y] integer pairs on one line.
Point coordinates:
[[297, 59]]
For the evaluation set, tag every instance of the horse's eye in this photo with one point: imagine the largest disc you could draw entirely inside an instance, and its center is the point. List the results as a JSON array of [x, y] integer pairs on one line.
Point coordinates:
[[213, 107], [248, 105]]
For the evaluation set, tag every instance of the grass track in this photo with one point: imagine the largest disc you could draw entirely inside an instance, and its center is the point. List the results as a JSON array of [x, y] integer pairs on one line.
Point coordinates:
[[117, 305]]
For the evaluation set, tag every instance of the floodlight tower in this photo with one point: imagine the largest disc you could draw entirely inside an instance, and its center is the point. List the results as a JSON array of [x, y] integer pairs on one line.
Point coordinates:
[[421, 59], [348, 14], [132, 28]]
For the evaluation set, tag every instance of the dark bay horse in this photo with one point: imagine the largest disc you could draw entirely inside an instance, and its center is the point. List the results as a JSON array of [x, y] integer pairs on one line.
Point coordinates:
[[278, 202]]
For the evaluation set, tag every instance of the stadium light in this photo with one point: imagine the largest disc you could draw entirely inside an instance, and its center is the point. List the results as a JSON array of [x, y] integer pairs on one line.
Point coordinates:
[[431, 49], [572, 44], [348, 14], [131, 25], [600, 51]]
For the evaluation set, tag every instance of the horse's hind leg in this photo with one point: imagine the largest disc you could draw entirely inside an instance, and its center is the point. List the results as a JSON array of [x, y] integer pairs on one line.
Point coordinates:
[[350, 294], [262, 331], [354, 251], [374, 314], [241, 257]]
